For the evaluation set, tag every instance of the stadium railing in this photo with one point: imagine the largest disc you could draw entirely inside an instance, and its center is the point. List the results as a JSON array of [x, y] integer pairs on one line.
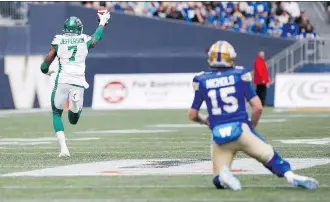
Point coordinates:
[[13, 13], [305, 51]]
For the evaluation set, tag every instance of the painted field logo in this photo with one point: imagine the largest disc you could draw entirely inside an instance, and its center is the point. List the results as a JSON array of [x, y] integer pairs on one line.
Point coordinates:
[[114, 92], [163, 167]]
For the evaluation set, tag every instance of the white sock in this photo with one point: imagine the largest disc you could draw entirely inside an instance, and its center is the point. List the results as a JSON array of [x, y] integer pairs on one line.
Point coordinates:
[[289, 175], [74, 107], [61, 138]]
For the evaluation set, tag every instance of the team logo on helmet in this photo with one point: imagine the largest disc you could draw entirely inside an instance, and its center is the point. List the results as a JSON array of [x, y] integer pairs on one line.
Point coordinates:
[[73, 25]]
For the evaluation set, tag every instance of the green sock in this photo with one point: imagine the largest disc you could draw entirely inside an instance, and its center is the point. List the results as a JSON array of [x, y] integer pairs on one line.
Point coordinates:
[[57, 120]]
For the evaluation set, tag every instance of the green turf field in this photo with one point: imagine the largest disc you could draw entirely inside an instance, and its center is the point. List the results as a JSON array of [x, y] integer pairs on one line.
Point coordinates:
[[28, 144]]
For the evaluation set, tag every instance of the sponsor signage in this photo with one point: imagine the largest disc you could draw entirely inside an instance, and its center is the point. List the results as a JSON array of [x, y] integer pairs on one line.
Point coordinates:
[[302, 90], [143, 91]]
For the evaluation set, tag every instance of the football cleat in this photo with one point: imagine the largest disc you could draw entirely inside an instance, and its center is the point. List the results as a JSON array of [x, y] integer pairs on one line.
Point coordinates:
[[305, 182], [228, 180], [64, 152], [64, 149]]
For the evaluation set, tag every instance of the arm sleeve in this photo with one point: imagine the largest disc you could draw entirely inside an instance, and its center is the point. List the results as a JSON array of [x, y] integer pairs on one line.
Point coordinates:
[[89, 40], [249, 91], [198, 99], [98, 34]]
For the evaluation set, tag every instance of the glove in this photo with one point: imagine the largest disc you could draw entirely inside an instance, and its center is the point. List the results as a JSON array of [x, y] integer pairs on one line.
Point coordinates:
[[50, 72], [104, 18]]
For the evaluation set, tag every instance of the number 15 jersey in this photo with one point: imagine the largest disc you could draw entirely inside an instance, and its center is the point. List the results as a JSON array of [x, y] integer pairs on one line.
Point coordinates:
[[72, 51], [224, 92]]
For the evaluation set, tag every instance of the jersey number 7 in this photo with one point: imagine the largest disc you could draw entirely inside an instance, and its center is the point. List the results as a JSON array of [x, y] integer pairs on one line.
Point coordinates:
[[231, 103], [74, 51]]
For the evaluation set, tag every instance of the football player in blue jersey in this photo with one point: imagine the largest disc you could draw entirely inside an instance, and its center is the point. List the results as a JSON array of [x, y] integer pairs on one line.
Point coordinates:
[[225, 90]]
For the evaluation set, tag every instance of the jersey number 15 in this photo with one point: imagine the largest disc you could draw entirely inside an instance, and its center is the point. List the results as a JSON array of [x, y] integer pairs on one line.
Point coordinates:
[[231, 103]]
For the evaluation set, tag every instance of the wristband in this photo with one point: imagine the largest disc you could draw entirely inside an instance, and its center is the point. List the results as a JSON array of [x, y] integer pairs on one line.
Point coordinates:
[[44, 67]]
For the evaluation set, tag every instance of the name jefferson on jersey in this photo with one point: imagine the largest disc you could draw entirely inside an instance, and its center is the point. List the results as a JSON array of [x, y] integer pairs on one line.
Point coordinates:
[[72, 52]]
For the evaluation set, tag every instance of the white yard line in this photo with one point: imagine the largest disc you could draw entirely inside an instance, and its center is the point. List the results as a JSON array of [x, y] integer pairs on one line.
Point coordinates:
[[144, 186], [296, 115], [27, 111], [146, 142], [102, 152], [109, 147], [173, 199], [177, 199], [158, 199]]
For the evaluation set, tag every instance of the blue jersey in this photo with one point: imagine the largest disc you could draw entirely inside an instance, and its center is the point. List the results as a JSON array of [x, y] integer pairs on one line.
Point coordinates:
[[224, 92]]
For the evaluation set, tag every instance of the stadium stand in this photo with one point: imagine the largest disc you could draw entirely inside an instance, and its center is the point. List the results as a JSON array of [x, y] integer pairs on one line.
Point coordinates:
[[277, 19], [327, 7]]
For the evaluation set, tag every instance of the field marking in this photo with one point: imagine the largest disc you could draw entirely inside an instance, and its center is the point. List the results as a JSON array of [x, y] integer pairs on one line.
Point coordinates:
[[173, 199], [321, 141], [194, 125], [151, 186], [125, 131], [103, 152], [45, 139], [162, 166], [38, 141], [162, 145], [155, 142], [311, 115], [231, 199], [145, 200], [136, 151]]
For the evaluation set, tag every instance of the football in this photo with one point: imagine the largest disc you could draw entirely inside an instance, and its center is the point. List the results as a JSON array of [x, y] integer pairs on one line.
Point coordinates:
[[102, 10]]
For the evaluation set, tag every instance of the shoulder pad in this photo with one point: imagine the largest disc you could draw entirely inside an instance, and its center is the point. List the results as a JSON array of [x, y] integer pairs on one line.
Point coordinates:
[[195, 82], [239, 67], [246, 77], [87, 37], [56, 40], [200, 73]]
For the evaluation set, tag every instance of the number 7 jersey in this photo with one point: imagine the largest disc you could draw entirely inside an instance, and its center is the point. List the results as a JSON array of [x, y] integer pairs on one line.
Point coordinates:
[[72, 51], [225, 92]]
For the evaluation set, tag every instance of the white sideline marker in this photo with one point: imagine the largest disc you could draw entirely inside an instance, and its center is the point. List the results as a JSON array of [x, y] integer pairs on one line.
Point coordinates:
[[321, 141], [128, 131], [194, 125]]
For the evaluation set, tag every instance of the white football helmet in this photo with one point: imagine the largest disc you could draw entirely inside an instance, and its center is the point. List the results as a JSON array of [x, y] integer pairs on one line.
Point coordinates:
[[221, 54]]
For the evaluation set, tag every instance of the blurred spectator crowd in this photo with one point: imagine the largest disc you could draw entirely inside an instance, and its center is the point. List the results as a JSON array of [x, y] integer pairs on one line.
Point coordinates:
[[277, 19], [327, 7], [13, 10]]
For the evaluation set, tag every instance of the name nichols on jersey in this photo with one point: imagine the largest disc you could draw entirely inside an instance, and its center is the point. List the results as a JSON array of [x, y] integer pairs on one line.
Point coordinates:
[[219, 82]]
